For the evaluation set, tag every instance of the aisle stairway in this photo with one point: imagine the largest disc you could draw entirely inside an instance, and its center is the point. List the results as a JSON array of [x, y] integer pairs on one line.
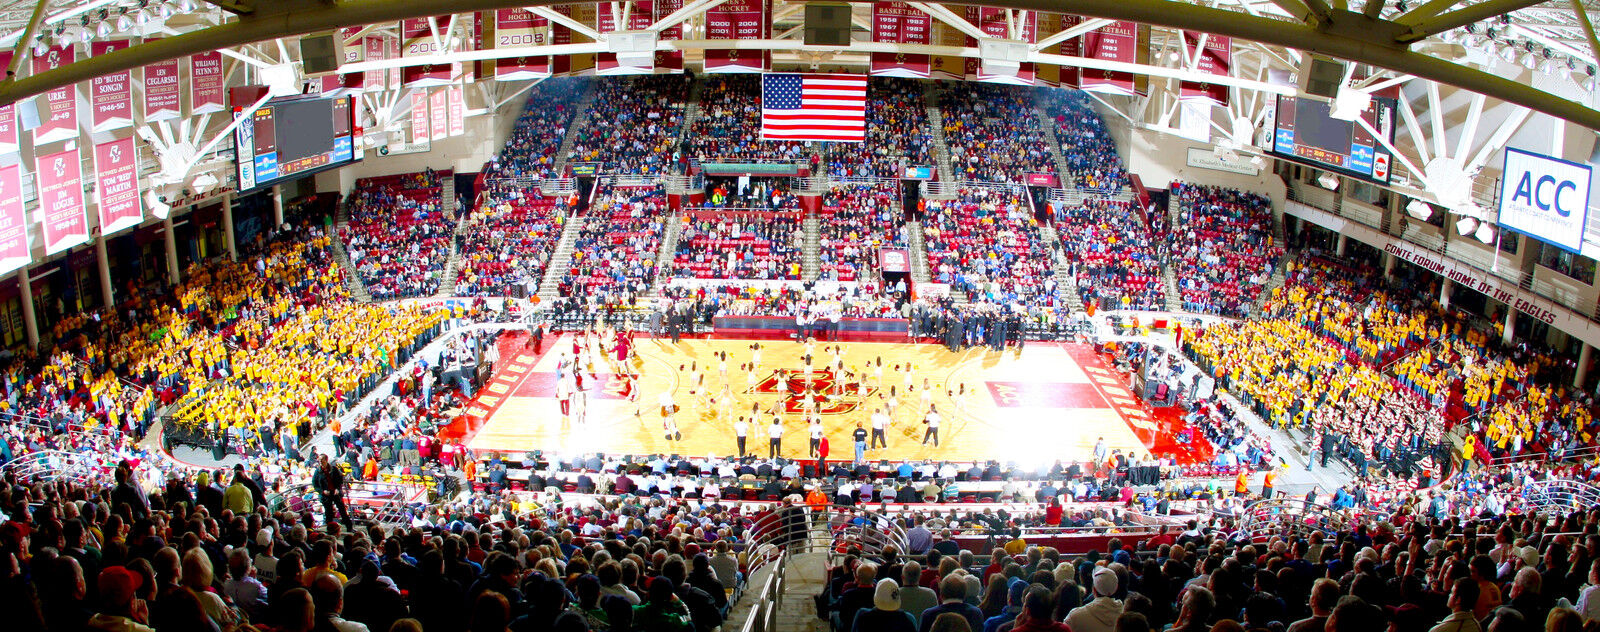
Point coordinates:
[[561, 259], [941, 150], [918, 253], [810, 255], [352, 281], [447, 192], [1066, 284], [669, 246], [691, 111], [1049, 126], [584, 105]]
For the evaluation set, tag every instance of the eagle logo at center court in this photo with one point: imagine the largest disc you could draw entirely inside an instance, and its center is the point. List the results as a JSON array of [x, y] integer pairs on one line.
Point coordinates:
[[831, 395]]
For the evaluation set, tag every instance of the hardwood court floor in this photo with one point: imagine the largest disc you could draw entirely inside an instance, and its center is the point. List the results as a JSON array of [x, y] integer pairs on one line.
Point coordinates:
[[1048, 402]]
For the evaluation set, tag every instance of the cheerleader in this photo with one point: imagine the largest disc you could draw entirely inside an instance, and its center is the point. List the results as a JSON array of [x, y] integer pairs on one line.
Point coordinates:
[[722, 365], [893, 402], [877, 372], [814, 430], [927, 394], [755, 357], [910, 383]]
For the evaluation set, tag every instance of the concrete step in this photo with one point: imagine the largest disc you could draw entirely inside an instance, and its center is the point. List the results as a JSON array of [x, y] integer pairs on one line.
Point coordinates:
[[810, 259], [561, 259], [941, 149], [584, 106]]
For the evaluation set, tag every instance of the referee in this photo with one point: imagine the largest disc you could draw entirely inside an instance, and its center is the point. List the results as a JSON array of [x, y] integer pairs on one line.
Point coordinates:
[[775, 437]]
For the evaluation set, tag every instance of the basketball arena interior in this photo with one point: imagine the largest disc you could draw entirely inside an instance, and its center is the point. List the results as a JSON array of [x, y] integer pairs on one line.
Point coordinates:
[[775, 315]]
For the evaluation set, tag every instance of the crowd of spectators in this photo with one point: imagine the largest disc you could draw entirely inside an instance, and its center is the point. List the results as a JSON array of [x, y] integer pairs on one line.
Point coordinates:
[[614, 256], [993, 132], [734, 245], [729, 126], [769, 194], [987, 243], [1087, 146], [897, 134], [1222, 248], [633, 125], [399, 232], [508, 243], [857, 220], [530, 149], [1115, 259]]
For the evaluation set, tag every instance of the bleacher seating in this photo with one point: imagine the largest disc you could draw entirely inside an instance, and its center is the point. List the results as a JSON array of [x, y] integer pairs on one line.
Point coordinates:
[[633, 125], [1115, 258], [398, 236], [856, 221], [614, 256]]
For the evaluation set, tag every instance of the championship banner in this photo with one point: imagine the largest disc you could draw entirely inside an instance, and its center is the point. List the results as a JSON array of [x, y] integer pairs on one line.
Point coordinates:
[[13, 220], [641, 16], [417, 40], [110, 96], [59, 119], [206, 92], [375, 49], [1214, 58], [60, 180], [669, 60], [738, 20], [949, 67], [163, 91], [519, 28], [117, 177], [458, 110], [900, 23], [8, 116], [438, 114], [572, 65], [419, 116], [1055, 75], [994, 23], [1117, 41]]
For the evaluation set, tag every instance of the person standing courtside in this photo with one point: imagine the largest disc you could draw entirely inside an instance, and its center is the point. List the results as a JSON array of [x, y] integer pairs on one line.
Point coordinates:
[[775, 437], [931, 421], [740, 430]]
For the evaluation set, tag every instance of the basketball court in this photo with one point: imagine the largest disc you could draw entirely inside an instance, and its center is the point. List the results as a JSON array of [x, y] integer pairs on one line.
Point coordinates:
[[1048, 402]]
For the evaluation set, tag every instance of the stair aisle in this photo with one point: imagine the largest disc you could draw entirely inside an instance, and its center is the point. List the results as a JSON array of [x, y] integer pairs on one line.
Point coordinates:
[[941, 150], [1048, 125], [447, 193], [561, 259], [669, 247], [919, 253], [1169, 273], [584, 106], [691, 110], [1066, 284], [810, 249], [352, 281]]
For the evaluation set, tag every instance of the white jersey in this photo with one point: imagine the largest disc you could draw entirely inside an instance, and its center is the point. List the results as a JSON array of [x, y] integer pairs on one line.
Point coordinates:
[[775, 431], [740, 428]]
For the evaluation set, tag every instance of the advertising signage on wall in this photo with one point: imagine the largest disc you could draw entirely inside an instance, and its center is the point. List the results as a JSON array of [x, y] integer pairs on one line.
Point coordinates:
[[1545, 198]]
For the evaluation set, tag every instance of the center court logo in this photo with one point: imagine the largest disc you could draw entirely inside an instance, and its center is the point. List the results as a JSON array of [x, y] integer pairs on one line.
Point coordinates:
[[831, 396]]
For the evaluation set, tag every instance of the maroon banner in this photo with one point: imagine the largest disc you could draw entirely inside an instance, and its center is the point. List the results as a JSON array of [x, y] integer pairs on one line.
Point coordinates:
[[519, 28], [9, 142], [669, 60], [1215, 58], [439, 114], [738, 19], [572, 65], [117, 177], [894, 260], [376, 49], [641, 18], [1117, 41], [163, 91], [59, 120], [458, 110], [110, 96], [900, 23], [13, 220], [206, 93], [1041, 180], [1071, 76], [416, 40], [992, 21], [419, 116], [60, 180]]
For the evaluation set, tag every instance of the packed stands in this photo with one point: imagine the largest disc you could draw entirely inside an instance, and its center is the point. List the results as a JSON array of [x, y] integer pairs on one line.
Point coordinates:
[[729, 126], [738, 245], [1222, 248], [763, 193], [530, 149], [1115, 259], [856, 220], [633, 125], [508, 243], [399, 234], [987, 243], [897, 134], [1093, 163], [992, 132], [615, 254]]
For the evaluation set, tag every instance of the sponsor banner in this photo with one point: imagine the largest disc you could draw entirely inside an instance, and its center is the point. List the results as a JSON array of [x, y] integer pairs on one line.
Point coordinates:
[[640, 14], [519, 28], [419, 116], [458, 110], [60, 181], [417, 40], [117, 185], [8, 115], [1042, 180], [736, 20], [894, 260], [163, 91], [900, 23], [669, 60], [1207, 159], [572, 65], [1545, 198], [1117, 41], [13, 220], [110, 96], [438, 114], [206, 92], [58, 120], [1215, 58], [994, 23]]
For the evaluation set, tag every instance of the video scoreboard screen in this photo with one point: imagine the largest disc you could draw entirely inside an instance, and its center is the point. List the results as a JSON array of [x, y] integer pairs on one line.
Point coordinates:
[[293, 138], [1306, 131]]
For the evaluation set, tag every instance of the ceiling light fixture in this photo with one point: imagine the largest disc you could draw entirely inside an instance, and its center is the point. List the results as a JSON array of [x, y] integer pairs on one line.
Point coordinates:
[[1466, 225], [1419, 209]]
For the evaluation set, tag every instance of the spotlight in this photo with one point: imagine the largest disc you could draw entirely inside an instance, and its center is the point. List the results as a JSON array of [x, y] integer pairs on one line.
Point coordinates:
[[204, 183], [1466, 225], [1419, 209], [158, 207], [40, 47], [1258, 162], [1485, 233], [1328, 181], [103, 30], [124, 23]]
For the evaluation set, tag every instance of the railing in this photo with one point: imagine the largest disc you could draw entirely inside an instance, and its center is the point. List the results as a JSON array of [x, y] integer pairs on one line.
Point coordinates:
[[1286, 517], [1571, 454], [82, 468], [387, 504], [683, 183], [1077, 196], [763, 615], [1561, 496]]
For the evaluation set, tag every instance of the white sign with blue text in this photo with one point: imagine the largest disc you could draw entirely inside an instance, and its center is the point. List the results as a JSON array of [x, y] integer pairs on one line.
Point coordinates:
[[1545, 198]]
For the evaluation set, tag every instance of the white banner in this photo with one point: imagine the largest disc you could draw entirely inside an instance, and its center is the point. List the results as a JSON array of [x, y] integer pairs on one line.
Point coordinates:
[[1545, 198]]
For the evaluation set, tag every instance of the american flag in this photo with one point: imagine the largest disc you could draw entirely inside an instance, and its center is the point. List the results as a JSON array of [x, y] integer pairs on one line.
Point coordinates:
[[809, 106]]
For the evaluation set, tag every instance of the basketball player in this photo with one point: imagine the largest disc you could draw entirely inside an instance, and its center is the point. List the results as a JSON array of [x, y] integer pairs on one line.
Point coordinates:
[[564, 396], [931, 422]]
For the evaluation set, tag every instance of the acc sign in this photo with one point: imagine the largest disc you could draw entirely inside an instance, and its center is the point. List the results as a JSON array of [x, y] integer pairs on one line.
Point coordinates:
[[1545, 198]]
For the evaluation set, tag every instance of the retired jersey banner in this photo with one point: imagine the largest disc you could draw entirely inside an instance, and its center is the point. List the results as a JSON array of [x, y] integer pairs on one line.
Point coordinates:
[[110, 96], [117, 183], [669, 60], [1055, 75], [572, 65], [438, 114], [419, 116], [206, 92], [376, 49], [417, 40], [163, 91], [347, 82], [949, 67], [60, 180], [458, 110], [58, 120], [9, 143], [13, 220], [995, 23], [1214, 58], [519, 28], [738, 20], [1118, 42], [640, 15], [900, 23]]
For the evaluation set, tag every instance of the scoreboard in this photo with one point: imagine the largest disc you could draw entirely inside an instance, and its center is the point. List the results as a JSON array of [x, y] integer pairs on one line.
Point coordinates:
[[1305, 131], [292, 138]]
